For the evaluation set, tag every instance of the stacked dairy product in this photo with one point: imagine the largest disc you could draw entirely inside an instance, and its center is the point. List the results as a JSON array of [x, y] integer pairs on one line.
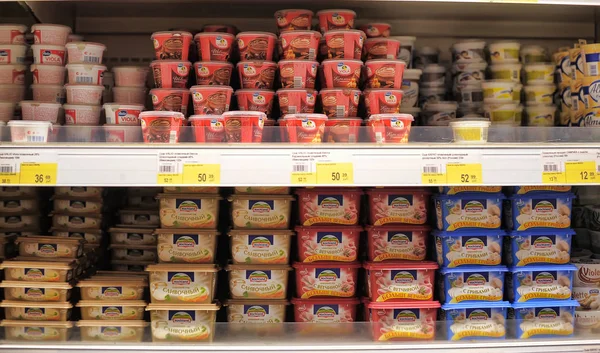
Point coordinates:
[[12, 68], [469, 71]]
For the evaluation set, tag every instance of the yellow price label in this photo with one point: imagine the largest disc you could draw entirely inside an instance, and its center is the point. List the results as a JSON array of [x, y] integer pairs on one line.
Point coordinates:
[[201, 174], [9, 178], [335, 173], [433, 178], [554, 178], [303, 178], [460, 173], [38, 173], [580, 172], [169, 179]]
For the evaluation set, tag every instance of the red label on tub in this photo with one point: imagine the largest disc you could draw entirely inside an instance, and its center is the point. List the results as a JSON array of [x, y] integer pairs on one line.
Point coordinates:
[[37, 36], [18, 77], [403, 322], [336, 206], [400, 243], [328, 243], [52, 57], [16, 37], [71, 116], [5, 56]]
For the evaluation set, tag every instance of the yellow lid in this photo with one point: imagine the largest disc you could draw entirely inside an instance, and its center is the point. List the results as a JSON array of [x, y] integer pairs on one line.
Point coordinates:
[[207, 307], [233, 232], [187, 231], [22, 323], [258, 267], [92, 303], [20, 284], [18, 304], [189, 196], [67, 265], [256, 302], [48, 239], [122, 323], [182, 267], [130, 230]]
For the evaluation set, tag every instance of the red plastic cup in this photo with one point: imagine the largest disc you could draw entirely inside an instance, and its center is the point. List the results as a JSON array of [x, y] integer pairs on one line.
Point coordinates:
[[256, 100], [257, 74], [385, 73], [220, 28], [301, 45], [170, 99], [339, 102], [256, 45], [390, 128], [170, 73], [172, 45], [208, 128], [209, 73], [326, 279], [293, 101], [342, 130], [381, 48], [397, 242], [211, 100], [214, 46], [341, 73], [328, 243], [298, 73], [383, 101], [293, 20], [244, 126], [336, 19], [395, 321], [303, 128], [375, 30], [385, 284], [344, 44], [161, 126]]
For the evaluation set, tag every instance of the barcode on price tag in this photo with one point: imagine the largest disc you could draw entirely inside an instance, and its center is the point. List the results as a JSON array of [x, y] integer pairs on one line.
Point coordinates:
[[166, 169], [431, 169], [432, 175], [8, 174], [300, 168], [551, 168], [7, 169]]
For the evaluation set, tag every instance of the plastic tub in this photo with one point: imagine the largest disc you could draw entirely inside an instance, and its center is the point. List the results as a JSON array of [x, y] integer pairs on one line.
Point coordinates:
[[122, 134], [258, 281], [591, 59], [186, 246], [132, 236], [293, 19], [256, 311], [261, 212], [341, 73], [256, 45], [209, 73], [410, 87], [208, 128], [540, 282], [325, 310], [130, 76], [540, 210], [336, 19], [171, 45], [468, 210], [473, 283], [36, 291], [50, 311], [182, 284], [400, 280], [244, 126], [469, 247], [342, 130], [46, 54], [294, 101], [182, 323], [475, 320], [346, 44], [260, 247], [504, 52], [384, 73], [48, 93], [328, 243], [498, 91], [129, 253], [161, 127], [407, 44], [36, 331], [520, 190], [29, 131], [12, 54], [323, 206], [540, 115], [431, 95], [381, 48], [262, 190], [298, 73], [470, 130], [76, 221], [434, 75], [466, 73], [122, 114], [213, 100], [197, 211], [42, 74], [170, 73], [545, 319], [303, 128], [398, 205], [539, 73], [540, 246], [471, 93], [469, 51], [38, 271], [397, 242], [12, 33], [533, 54], [84, 94], [439, 114], [501, 112], [169, 99], [112, 331], [326, 279], [383, 101], [133, 95], [214, 46], [257, 74], [40, 111], [396, 321], [376, 30], [301, 45], [86, 74], [79, 205], [80, 114], [508, 72], [50, 34], [85, 52], [255, 100]]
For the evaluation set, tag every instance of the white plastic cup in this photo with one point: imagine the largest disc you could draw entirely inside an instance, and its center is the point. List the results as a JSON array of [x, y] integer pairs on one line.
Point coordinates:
[[122, 114], [48, 93], [27, 131], [82, 114], [84, 94], [539, 73], [540, 115], [48, 74], [12, 54], [410, 87], [11, 33], [130, 76], [129, 95], [432, 94], [40, 111], [47, 54], [501, 113], [509, 71], [533, 54], [498, 91], [467, 73], [85, 74], [504, 52], [439, 114], [540, 94], [44, 33], [85, 52], [471, 50]]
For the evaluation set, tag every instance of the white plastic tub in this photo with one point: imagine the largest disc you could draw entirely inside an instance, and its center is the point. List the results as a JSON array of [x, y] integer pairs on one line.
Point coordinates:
[[12, 54], [122, 114], [498, 91], [7, 110], [48, 74], [85, 52], [85, 74], [12, 74], [468, 130], [130, 76], [44, 33], [434, 75], [540, 115], [11, 33], [533, 54], [48, 93], [129, 95], [410, 87], [29, 131], [509, 71], [82, 114], [122, 133], [84, 94], [407, 46], [40, 111], [501, 113], [539, 73], [47, 54], [504, 52], [471, 50], [540, 94], [12, 93], [439, 114]]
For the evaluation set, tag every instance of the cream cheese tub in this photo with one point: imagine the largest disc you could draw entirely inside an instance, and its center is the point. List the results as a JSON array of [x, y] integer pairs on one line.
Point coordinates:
[[76, 221], [191, 190], [50, 247], [125, 265], [18, 205], [76, 263], [112, 331], [545, 319], [182, 323], [139, 218], [468, 210], [134, 253], [475, 320], [180, 284], [38, 271], [39, 311], [258, 281], [187, 246], [261, 211], [77, 205], [473, 283], [91, 236], [16, 330], [12, 221], [19, 191], [36, 291], [77, 191], [266, 247], [112, 309], [132, 236], [540, 282], [189, 210], [112, 288], [256, 311], [540, 246], [540, 210]]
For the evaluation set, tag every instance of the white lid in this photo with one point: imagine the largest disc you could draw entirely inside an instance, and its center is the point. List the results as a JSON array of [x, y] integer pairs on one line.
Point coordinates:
[[470, 122], [97, 87], [469, 44], [506, 66], [23, 28], [49, 67], [49, 25], [48, 46], [86, 66], [40, 103], [81, 106], [122, 106], [412, 74], [392, 116], [29, 123], [75, 44], [162, 114], [434, 68]]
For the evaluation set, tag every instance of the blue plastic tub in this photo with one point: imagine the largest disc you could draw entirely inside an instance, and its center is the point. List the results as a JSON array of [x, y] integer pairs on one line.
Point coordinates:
[[545, 319], [468, 211], [469, 247], [540, 282], [540, 246], [473, 321], [472, 284], [540, 210]]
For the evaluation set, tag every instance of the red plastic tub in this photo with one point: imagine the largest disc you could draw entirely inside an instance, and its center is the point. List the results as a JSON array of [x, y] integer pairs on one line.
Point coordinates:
[[256, 45], [208, 128], [383, 101], [340, 102], [328, 243], [393, 321], [172, 45], [398, 205], [326, 279], [336, 19], [375, 30], [385, 73], [161, 127], [214, 46], [325, 310], [213, 73], [390, 128], [257, 74], [381, 48], [294, 20], [342, 130], [244, 126], [212, 100], [344, 44], [339, 73], [303, 128], [256, 100], [294, 101], [339, 206], [170, 99], [298, 73], [170, 73], [397, 242], [400, 280], [301, 45]]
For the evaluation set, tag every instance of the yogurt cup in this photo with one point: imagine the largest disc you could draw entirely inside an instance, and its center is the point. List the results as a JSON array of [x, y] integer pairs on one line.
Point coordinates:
[[498, 91], [410, 87], [12, 93], [336, 19], [467, 73], [591, 59], [48, 93], [209, 73], [533, 54], [44, 33], [42, 74], [170, 73], [294, 101], [256, 45], [340, 103], [400, 281], [293, 20], [407, 45], [298, 73], [85, 74], [27, 131], [171, 45], [301, 45], [471, 50], [129, 95], [85, 52], [326, 279], [540, 115], [389, 128], [341, 73], [12, 33], [208, 128], [470, 130], [346, 44], [439, 114], [504, 52], [122, 114], [122, 134], [385, 73], [255, 100], [130, 76], [257, 74], [303, 128], [214, 46], [381, 48], [212, 100], [7, 110], [80, 114], [383, 101], [170, 99], [545, 319], [161, 126], [507, 71], [390, 324], [540, 94], [12, 54], [46, 54], [40, 111], [376, 30], [501, 112], [244, 126], [342, 130], [434, 75], [539, 73]]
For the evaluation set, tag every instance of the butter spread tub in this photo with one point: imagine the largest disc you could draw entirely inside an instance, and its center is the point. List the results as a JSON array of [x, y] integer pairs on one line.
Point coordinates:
[[38, 271], [543, 210], [454, 190], [191, 190], [36, 291], [111, 288], [469, 210], [520, 190], [91, 236], [112, 309], [76, 221], [39, 311], [473, 283], [403, 321], [328, 243], [325, 310], [469, 247], [132, 236], [76, 263], [112, 331], [474, 320], [400, 280], [78, 191], [262, 190], [326, 279], [189, 210], [19, 191], [545, 319], [142, 201], [397, 242], [256, 311], [180, 284], [266, 247], [17, 330], [50, 246], [126, 265], [187, 245], [12, 221], [340, 206], [261, 211], [540, 282], [400, 205], [539, 246], [77, 205], [258, 281], [21, 204], [134, 253], [182, 323], [137, 218]]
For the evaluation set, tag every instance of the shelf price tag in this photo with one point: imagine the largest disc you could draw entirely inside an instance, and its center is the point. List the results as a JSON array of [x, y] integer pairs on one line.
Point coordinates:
[[202, 174], [432, 175], [580, 172], [552, 173], [169, 179], [461, 173], [299, 178], [335, 173], [38, 173]]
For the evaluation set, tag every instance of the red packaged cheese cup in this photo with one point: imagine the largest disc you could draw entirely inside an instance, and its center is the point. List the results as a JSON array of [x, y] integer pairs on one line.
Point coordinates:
[[209, 73], [298, 73], [212, 100], [293, 20], [328, 243], [341, 279], [292, 101], [383, 101], [375, 30], [244, 126], [208, 128], [161, 126], [385, 73], [214, 46], [341, 73], [339, 102], [170, 73], [170, 99], [303, 128], [257, 74], [256, 100], [344, 44], [402, 321], [336, 19], [397, 242], [301, 45], [342, 130], [390, 128], [172, 45], [381, 48], [256, 45]]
